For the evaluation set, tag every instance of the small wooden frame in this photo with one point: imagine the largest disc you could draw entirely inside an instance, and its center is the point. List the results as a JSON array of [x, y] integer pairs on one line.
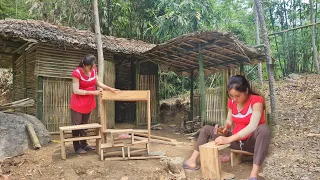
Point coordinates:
[[136, 95], [210, 162], [97, 137], [236, 156]]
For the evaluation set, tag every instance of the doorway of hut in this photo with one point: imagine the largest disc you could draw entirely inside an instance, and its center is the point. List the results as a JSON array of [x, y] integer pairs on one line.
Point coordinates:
[[133, 75]]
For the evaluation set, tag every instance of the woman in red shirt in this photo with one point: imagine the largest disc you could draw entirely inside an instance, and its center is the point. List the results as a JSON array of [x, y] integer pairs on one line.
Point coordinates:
[[84, 82], [250, 131]]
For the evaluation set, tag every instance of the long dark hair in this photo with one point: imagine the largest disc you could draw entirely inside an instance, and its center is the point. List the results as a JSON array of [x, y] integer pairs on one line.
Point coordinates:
[[241, 84], [87, 60]]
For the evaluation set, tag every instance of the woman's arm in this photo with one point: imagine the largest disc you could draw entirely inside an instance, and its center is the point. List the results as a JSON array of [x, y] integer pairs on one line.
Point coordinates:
[[104, 87], [252, 126], [78, 91]]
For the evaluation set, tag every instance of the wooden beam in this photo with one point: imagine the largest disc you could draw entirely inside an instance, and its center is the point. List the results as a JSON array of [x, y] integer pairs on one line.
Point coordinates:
[[21, 47], [224, 48], [219, 54]]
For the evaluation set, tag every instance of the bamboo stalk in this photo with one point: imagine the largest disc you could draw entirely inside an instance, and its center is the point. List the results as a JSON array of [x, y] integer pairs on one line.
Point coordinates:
[[299, 27], [33, 136]]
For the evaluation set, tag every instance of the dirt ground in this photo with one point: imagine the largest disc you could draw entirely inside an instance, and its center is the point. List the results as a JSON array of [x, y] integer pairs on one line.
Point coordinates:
[[46, 163], [292, 154]]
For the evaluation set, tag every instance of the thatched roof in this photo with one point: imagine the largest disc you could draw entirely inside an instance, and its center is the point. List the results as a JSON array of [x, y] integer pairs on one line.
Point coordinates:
[[219, 50], [40, 31]]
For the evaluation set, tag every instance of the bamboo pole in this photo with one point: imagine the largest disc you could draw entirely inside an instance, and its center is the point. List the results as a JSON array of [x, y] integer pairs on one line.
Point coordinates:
[[299, 27], [33, 136], [191, 96], [202, 87]]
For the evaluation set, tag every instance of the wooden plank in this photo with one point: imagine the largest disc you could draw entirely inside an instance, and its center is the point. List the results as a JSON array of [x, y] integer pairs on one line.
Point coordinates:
[[78, 127], [156, 137], [81, 138], [134, 158], [213, 145], [241, 152], [118, 131], [126, 95], [191, 96]]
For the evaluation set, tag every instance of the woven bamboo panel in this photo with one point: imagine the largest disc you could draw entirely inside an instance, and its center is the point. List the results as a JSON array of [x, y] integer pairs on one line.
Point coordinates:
[[19, 91], [215, 113], [56, 62], [31, 78], [196, 105], [147, 82]]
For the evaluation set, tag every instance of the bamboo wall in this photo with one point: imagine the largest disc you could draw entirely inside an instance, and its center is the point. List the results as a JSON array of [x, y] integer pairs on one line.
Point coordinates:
[[60, 62], [147, 82], [18, 78], [196, 105], [31, 78], [215, 112]]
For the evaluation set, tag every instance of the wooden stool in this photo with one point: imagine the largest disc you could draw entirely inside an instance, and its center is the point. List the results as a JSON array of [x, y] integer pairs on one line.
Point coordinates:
[[97, 136], [236, 156], [210, 161]]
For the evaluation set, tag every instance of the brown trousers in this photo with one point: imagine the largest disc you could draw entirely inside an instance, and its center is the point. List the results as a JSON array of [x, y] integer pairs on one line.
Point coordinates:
[[257, 144], [77, 119]]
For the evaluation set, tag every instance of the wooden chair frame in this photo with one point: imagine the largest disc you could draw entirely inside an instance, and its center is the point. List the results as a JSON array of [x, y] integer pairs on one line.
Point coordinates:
[[127, 95]]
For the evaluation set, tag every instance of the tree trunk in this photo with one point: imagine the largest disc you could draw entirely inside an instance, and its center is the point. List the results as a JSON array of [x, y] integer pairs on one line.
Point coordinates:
[[257, 33], [315, 51], [269, 58], [98, 45]]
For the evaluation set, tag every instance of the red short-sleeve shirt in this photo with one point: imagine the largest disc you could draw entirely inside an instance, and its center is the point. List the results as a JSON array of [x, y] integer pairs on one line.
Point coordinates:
[[84, 103], [242, 118]]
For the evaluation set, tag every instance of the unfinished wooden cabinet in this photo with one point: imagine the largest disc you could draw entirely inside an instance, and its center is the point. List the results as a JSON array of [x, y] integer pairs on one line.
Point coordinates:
[[138, 96]]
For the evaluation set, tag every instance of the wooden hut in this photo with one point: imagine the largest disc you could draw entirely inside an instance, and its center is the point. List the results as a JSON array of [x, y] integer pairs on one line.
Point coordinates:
[[42, 57]]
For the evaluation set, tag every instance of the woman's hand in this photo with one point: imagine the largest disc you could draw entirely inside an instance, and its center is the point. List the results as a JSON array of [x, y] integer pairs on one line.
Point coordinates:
[[113, 90], [222, 140], [97, 92]]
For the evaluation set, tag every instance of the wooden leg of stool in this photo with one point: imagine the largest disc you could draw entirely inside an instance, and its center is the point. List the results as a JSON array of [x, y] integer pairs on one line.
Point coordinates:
[[123, 153], [101, 155], [128, 152], [63, 148], [148, 148], [236, 159], [98, 141]]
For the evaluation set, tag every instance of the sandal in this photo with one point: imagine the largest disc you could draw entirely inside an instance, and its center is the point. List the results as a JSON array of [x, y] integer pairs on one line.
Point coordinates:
[[186, 166], [253, 178], [81, 151], [89, 148]]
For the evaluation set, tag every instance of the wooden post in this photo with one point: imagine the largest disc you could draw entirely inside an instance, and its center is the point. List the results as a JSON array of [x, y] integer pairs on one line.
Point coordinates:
[[14, 58], [202, 87], [224, 93], [149, 116], [137, 81], [191, 95], [40, 98], [157, 95], [103, 120], [241, 68]]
